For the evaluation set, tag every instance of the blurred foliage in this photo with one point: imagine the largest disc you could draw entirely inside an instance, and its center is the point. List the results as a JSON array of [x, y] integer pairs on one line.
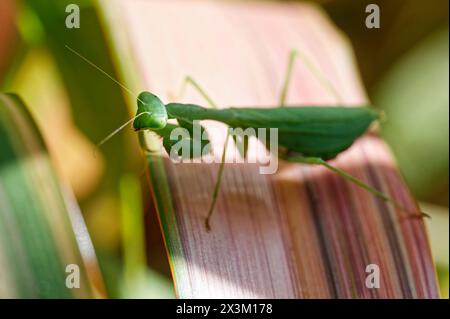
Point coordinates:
[[90, 107], [86, 106], [403, 24], [38, 81], [11, 47], [414, 95], [438, 231], [92, 95], [38, 235]]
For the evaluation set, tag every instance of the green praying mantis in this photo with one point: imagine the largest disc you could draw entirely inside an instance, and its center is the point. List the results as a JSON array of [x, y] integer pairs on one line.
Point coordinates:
[[307, 135]]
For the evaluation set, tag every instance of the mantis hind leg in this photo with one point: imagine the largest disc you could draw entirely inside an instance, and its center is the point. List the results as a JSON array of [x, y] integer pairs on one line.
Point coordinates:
[[188, 80], [352, 179]]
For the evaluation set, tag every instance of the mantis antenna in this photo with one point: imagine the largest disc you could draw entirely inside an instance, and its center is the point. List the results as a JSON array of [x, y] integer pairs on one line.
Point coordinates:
[[101, 70], [109, 136], [117, 130]]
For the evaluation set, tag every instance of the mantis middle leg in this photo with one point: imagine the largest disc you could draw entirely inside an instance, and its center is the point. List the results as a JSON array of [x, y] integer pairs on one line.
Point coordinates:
[[191, 81]]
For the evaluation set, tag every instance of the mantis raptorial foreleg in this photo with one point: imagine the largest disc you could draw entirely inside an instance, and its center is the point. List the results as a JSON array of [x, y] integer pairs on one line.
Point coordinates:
[[191, 81], [143, 143]]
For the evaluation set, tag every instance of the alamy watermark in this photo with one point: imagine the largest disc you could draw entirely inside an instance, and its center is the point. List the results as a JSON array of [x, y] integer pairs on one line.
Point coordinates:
[[73, 17], [73, 276], [193, 146], [373, 277], [373, 18]]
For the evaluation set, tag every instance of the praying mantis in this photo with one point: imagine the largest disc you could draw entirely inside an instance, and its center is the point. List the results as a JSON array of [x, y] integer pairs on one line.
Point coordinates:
[[306, 135]]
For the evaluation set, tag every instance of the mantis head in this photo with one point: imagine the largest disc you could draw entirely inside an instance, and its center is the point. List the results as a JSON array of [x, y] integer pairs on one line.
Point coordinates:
[[151, 113]]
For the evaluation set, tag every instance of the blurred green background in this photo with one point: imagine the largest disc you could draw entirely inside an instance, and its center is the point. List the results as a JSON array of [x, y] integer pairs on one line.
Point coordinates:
[[404, 66]]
